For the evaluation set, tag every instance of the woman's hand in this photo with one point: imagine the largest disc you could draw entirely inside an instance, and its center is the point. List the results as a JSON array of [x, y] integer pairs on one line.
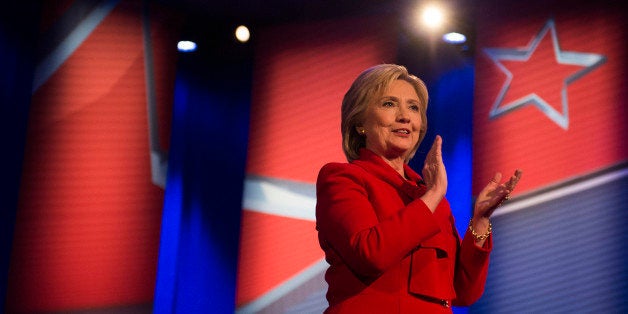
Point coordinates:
[[434, 175], [493, 194]]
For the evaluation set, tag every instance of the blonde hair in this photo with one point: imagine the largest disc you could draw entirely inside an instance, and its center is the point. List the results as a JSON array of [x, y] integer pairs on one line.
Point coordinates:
[[366, 88]]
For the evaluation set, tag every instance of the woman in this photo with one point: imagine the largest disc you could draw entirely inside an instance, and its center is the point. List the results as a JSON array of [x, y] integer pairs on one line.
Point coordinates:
[[388, 233]]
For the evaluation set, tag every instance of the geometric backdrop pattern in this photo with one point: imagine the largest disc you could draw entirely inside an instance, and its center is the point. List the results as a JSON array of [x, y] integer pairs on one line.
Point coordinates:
[[550, 98], [88, 219]]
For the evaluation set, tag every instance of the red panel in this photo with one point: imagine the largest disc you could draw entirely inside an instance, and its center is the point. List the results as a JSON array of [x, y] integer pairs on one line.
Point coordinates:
[[302, 74], [527, 138], [272, 250], [87, 228]]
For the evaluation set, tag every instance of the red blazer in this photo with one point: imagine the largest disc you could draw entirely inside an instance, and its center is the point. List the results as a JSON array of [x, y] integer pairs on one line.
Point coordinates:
[[387, 252]]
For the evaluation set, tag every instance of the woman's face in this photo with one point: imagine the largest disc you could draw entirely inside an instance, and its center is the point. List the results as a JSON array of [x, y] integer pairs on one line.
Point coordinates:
[[393, 122]]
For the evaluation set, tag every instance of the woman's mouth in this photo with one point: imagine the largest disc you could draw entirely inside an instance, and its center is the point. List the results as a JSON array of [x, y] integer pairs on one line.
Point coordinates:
[[402, 131]]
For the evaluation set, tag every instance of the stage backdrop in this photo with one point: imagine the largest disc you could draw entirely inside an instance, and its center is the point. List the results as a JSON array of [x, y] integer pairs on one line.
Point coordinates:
[[88, 219], [551, 99]]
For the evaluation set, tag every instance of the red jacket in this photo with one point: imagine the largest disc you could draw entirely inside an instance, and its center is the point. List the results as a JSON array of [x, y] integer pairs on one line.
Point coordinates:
[[388, 253]]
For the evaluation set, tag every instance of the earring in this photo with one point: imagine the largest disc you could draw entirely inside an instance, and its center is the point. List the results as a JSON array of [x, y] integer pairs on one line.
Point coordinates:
[[362, 131]]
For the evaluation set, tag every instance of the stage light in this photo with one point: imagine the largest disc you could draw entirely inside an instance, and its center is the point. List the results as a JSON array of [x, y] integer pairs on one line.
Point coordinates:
[[186, 46], [454, 38], [432, 16], [242, 34]]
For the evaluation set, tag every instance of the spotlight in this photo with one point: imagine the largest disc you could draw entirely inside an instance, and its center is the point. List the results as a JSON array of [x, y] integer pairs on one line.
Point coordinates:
[[242, 34], [454, 38], [186, 46], [432, 17]]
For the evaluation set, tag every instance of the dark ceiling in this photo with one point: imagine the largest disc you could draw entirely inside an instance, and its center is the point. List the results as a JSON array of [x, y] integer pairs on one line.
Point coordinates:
[[269, 12], [214, 21]]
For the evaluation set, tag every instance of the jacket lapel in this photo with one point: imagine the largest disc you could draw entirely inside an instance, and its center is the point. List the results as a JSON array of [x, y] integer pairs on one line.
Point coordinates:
[[375, 165]]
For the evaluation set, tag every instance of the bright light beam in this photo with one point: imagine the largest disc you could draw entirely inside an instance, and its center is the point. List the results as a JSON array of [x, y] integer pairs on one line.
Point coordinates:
[[432, 17]]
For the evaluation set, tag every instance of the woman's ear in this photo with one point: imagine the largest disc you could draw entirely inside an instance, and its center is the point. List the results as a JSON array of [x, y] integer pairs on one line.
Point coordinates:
[[361, 130]]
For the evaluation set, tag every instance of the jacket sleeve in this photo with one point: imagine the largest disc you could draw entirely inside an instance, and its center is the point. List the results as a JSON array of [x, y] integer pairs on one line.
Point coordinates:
[[347, 222], [471, 270]]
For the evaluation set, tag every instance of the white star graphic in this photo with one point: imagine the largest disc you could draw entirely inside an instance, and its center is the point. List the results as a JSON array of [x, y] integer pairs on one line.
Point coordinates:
[[588, 61]]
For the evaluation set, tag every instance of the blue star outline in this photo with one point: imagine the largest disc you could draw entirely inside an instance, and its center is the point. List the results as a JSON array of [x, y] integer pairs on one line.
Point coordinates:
[[589, 61]]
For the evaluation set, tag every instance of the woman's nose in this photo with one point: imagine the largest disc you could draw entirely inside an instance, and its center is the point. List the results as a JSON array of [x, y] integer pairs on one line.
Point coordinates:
[[403, 115]]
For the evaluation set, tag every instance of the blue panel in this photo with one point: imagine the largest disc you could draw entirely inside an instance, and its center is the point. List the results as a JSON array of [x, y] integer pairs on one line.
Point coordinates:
[[566, 255], [165, 290], [449, 115], [202, 207]]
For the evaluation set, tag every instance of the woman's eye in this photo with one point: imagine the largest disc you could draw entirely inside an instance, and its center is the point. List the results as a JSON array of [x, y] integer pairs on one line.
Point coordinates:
[[388, 104], [414, 108]]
